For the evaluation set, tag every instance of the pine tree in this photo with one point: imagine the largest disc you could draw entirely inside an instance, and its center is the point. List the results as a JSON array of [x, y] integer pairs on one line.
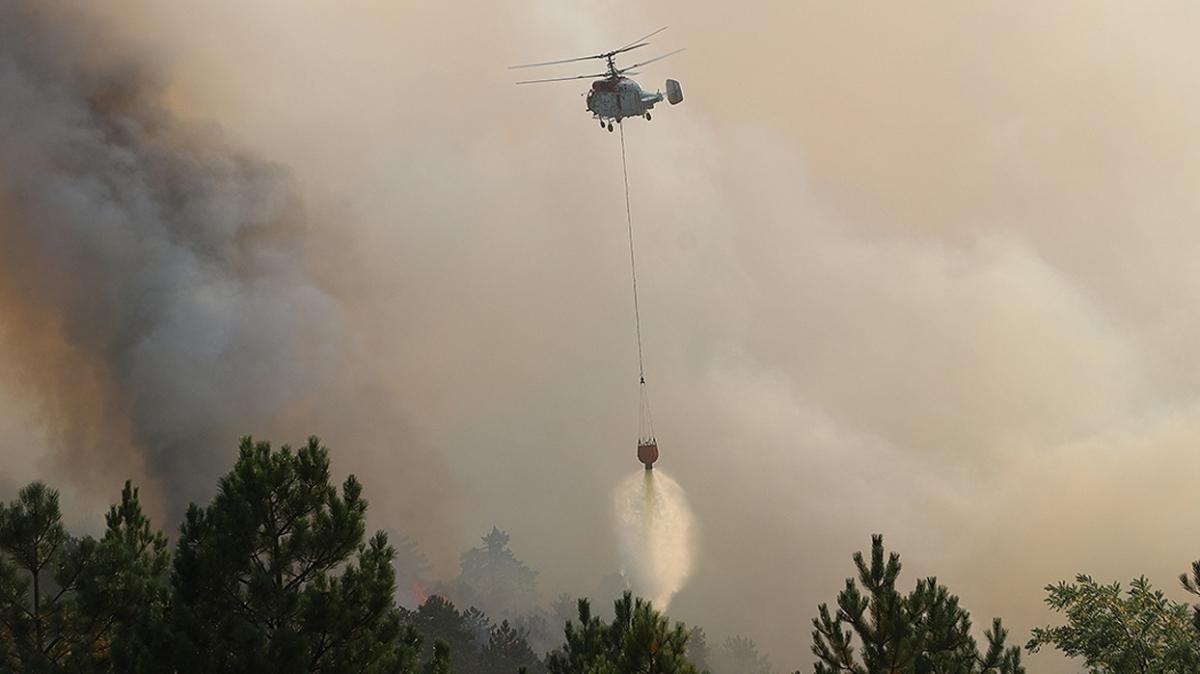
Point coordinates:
[[478, 625], [639, 639], [125, 596], [440, 662], [412, 573], [739, 655], [80, 605], [698, 650], [923, 632], [563, 609], [508, 650], [274, 576], [40, 570], [438, 621], [493, 579]]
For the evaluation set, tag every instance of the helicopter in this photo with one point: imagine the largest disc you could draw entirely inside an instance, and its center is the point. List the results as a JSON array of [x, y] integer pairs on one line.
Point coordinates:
[[616, 97]]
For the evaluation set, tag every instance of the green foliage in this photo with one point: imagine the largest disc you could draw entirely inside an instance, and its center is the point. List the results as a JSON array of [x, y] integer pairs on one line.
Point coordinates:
[[474, 645], [80, 605], [43, 629], [438, 621], [440, 663], [923, 632], [272, 576], [639, 639], [1114, 634], [257, 583], [1192, 585], [276, 575], [508, 650], [126, 594]]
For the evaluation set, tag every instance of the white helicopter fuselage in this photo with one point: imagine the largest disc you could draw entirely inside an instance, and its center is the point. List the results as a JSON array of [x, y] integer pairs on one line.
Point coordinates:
[[616, 99]]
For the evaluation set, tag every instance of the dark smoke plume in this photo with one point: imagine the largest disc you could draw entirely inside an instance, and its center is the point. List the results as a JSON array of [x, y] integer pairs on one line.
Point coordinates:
[[156, 293]]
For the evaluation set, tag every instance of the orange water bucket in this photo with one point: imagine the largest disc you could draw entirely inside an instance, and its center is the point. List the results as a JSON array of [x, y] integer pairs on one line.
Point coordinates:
[[647, 452]]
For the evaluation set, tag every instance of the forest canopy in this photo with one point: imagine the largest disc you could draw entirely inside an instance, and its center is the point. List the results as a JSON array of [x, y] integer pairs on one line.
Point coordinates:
[[277, 573]]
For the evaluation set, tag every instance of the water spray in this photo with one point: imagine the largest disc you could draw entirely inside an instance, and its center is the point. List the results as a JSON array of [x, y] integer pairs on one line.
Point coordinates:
[[655, 530], [654, 522]]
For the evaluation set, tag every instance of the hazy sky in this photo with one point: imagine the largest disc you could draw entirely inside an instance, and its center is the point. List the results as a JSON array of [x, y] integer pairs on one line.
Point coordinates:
[[923, 269]]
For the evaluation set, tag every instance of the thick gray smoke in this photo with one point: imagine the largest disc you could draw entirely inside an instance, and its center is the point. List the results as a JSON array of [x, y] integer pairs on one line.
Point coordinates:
[[924, 270], [157, 286]]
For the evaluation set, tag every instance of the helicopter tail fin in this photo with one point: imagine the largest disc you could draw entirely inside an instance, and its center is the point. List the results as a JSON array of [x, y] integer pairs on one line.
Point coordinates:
[[674, 92]]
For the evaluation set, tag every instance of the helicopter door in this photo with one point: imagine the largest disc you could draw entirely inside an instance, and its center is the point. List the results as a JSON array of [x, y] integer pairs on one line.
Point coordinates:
[[630, 102]]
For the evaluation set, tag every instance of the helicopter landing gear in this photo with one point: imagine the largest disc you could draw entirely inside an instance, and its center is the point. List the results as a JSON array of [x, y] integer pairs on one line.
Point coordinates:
[[602, 124], [647, 117], [610, 127]]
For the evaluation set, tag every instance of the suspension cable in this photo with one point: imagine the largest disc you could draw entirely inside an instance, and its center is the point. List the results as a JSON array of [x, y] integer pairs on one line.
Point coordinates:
[[645, 420], [637, 318]]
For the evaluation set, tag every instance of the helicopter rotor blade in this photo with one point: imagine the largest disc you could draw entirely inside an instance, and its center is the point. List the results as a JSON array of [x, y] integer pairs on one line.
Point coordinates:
[[634, 45], [554, 63], [624, 49], [657, 58], [563, 79], [640, 42]]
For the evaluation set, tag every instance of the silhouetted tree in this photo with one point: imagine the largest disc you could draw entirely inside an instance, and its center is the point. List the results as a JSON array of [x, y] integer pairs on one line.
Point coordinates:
[[508, 650], [412, 573], [493, 579], [639, 639], [1114, 634], [610, 589], [80, 605], [440, 662], [124, 597], [274, 576], [437, 620], [698, 650], [542, 638], [563, 609], [40, 570], [739, 655], [923, 631], [478, 625]]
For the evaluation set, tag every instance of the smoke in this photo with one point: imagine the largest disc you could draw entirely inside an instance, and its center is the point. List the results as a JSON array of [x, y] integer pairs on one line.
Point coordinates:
[[920, 270], [159, 287], [654, 530]]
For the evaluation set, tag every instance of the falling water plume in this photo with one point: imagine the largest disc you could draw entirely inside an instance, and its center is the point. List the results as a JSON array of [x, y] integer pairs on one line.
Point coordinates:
[[655, 531]]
